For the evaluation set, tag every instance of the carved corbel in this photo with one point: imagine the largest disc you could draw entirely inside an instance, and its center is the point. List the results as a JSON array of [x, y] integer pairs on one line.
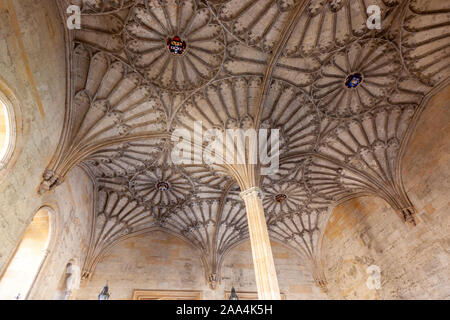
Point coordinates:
[[213, 280], [320, 280], [408, 216], [85, 275], [50, 180]]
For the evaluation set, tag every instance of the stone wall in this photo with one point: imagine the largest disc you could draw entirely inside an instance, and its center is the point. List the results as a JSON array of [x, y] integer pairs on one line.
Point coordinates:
[[32, 70], [71, 206], [33, 77], [294, 277], [159, 261], [414, 261], [22, 269], [74, 211]]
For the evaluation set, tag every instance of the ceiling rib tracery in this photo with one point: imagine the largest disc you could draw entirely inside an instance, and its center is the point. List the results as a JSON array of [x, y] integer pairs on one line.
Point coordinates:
[[345, 99]]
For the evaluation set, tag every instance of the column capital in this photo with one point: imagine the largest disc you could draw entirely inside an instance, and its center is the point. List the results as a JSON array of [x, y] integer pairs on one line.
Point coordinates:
[[251, 191]]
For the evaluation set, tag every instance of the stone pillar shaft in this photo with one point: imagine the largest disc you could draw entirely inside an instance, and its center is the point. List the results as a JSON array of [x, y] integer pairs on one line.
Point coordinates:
[[266, 276]]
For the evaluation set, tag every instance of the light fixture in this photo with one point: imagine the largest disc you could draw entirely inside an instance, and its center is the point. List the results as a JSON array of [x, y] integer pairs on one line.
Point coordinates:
[[104, 294], [233, 295]]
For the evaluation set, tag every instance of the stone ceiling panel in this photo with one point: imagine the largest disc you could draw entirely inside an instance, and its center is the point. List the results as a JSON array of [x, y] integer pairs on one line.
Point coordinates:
[[197, 55]]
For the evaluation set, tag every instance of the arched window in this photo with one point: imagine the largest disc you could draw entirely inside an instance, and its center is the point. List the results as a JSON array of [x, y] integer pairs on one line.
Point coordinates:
[[4, 129], [7, 130], [22, 270]]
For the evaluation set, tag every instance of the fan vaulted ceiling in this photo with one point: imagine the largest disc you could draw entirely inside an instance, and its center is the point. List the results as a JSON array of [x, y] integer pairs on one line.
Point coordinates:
[[345, 99]]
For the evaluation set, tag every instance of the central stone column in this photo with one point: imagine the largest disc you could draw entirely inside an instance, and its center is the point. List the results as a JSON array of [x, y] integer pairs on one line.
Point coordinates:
[[266, 276]]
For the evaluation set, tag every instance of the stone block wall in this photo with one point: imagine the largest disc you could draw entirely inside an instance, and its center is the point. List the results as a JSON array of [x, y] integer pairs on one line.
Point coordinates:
[[73, 202], [159, 261], [414, 261], [32, 69], [33, 74]]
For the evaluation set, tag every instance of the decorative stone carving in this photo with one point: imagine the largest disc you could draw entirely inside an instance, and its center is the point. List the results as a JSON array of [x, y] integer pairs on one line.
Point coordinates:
[[152, 28], [73, 279], [212, 280], [282, 198], [425, 40], [327, 25], [357, 78], [100, 6], [161, 186], [255, 22]]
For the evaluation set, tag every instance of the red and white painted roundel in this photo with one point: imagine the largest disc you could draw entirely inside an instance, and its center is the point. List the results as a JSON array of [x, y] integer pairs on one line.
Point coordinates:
[[176, 46]]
